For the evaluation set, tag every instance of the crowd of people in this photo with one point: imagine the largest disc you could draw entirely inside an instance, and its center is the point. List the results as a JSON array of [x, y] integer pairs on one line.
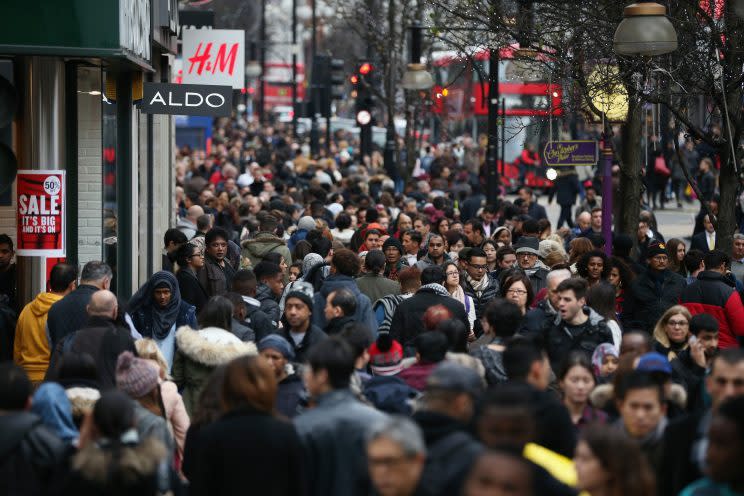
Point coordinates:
[[320, 328]]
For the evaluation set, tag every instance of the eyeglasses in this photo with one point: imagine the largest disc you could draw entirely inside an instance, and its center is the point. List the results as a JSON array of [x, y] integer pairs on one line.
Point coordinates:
[[452, 273], [678, 323], [479, 267], [200, 254], [517, 292]]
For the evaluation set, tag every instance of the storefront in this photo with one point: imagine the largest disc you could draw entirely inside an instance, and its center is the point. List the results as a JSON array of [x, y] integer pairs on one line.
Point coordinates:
[[78, 68]]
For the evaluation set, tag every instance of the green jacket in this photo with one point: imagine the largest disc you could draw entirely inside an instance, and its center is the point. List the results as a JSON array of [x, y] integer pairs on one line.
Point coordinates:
[[198, 353], [255, 249]]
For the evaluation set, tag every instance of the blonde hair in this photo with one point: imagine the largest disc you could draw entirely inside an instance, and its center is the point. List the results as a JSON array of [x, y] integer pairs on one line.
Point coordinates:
[[660, 334], [148, 349]]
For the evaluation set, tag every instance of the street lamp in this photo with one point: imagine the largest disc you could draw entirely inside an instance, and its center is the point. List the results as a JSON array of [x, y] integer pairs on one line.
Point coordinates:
[[645, 30], [416, 77]]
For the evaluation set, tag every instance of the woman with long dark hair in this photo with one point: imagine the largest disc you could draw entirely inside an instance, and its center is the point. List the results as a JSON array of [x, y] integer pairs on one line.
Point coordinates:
[[621, 278], [608, 463], [248, 448], [594, 266], [576, 380], [190, 259]]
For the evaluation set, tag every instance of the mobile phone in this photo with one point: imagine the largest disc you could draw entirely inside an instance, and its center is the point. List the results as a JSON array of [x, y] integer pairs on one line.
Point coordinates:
[[693, 339]]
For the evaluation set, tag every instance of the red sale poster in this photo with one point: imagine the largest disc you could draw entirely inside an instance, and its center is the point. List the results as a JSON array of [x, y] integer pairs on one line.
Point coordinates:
[[40, 213]]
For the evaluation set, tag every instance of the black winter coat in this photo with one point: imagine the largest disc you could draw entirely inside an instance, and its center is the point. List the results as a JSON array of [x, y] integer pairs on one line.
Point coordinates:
[[313, 335], [678, 469], [192, 290], [103, 341], [408, 322], [31, 456], [69, 314], [645, 304], [566, 189], [247, 451]]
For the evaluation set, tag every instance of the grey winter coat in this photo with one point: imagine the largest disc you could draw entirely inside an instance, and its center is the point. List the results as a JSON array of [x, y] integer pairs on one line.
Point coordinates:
[[336, 429]]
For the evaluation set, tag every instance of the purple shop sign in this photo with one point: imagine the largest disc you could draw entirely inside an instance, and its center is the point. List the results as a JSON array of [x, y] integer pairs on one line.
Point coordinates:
[[567, 153]]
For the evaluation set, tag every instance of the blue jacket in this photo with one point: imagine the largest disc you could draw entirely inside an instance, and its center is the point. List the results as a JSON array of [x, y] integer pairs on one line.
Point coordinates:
[[363, 314]]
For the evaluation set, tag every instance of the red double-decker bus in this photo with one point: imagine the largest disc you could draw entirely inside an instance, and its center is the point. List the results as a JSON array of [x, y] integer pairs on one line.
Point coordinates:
[[527, 101]]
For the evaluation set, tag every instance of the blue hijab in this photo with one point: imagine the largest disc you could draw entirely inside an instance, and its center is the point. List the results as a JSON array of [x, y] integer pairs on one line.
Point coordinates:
[[50, 402]]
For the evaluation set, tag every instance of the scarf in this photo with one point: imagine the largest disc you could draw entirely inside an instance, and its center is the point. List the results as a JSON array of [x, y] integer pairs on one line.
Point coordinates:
[[459, 294], [478, 286], [159, 319], [436, 288]]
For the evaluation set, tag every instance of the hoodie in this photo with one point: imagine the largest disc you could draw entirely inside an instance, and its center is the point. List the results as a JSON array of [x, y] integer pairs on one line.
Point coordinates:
[[264, 243], [363, 314], [31, 348]]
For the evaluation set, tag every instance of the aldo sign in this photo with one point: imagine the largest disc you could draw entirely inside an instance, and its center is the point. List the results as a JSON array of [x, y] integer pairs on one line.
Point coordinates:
[[187, 99]]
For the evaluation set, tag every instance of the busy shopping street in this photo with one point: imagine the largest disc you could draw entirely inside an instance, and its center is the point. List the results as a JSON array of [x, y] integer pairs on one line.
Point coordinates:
[[371, 248]]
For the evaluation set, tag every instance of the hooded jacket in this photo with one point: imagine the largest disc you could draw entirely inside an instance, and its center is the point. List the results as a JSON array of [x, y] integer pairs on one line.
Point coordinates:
[[712, 294], [31, 347], [261, 245], [136, 465], [560, 341], [269, 305], [187, 227], [198, 354], [363, 314]]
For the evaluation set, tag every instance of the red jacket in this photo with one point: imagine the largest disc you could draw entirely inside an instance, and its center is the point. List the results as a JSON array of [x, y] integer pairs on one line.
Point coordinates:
[[711, 294]]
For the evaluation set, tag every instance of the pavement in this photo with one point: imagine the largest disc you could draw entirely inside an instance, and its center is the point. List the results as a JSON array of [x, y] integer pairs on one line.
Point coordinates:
[[673, 222]]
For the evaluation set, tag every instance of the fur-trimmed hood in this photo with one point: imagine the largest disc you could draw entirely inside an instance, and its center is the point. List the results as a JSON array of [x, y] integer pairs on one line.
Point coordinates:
[[603, 394], [137, 461], [82, 399], [211, 346]]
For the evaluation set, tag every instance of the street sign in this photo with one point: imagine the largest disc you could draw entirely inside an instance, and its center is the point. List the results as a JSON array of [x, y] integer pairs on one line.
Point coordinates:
[[570, 153], [41, 213], [214, 56], [187, 99]]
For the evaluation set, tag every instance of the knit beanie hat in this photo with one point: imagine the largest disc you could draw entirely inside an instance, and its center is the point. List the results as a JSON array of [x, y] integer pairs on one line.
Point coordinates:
[[385, 355], [300, 295], [307, 223], [278, 343], [393, 242], [135, 376]]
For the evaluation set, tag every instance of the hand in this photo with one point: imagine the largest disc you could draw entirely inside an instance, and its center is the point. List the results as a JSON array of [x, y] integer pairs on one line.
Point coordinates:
[[471, 337], [697, 352]]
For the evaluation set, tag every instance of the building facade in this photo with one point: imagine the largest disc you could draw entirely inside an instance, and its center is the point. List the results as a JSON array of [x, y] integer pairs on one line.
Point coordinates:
[[78, 69]]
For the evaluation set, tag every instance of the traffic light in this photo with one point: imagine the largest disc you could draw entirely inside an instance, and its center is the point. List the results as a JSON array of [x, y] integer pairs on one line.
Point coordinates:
[[363, 79], [337, 79], [8, 107]]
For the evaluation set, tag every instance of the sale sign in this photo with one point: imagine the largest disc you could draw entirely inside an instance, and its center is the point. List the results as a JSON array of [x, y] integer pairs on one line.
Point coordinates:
[[214, 56], [41, 213]]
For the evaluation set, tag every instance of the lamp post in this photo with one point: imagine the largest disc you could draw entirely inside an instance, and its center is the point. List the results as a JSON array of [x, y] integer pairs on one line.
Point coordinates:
[[416, 78], [644, 31]]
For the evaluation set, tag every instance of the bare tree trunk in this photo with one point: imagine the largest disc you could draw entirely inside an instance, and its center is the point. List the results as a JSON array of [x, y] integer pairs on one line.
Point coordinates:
[[630, 173]]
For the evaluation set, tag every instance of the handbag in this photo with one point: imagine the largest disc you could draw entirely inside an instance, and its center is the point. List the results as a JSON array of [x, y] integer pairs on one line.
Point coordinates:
[[660, 167]]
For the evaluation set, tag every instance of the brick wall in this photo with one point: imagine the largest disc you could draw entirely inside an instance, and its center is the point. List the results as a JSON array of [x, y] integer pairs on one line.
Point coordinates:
[[90, 171]]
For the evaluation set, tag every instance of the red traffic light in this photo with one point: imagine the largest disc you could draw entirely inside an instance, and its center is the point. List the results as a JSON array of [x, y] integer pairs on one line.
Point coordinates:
[[365, 68]]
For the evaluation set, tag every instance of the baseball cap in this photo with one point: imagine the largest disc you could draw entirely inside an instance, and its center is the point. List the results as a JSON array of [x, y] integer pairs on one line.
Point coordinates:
[[654, 362]]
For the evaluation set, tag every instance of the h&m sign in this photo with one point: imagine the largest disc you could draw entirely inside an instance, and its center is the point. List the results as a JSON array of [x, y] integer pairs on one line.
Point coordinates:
[[187, 99]]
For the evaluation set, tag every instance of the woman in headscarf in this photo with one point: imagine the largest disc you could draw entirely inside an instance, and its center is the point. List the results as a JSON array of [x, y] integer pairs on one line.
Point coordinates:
[[51, 404], [158, 310]]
